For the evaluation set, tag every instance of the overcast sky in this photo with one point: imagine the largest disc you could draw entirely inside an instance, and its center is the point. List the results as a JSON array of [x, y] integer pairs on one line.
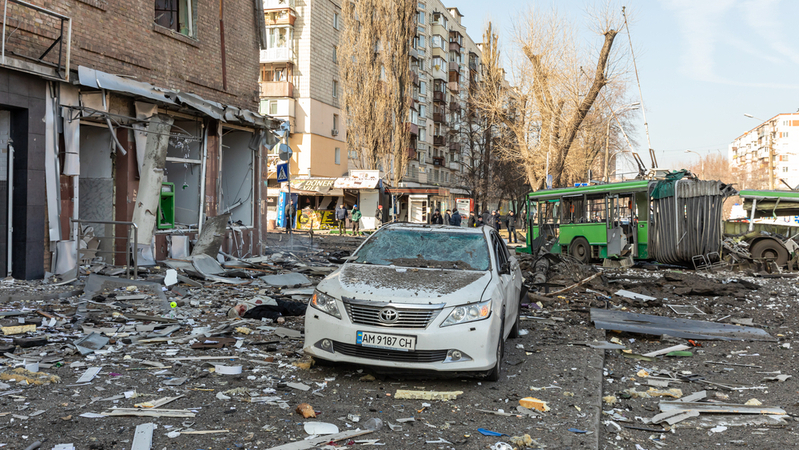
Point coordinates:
[[702, 64]]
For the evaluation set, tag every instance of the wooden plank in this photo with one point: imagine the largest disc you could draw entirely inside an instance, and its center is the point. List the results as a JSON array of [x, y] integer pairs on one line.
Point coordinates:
[[312, 443]]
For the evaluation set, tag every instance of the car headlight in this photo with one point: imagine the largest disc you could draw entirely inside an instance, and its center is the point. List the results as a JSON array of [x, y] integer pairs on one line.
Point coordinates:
[[325, 303], [468, 313]]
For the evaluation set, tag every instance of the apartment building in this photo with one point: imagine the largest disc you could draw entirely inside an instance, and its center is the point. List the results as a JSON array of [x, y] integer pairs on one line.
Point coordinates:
[[447, 62], [770, 151], [299, 82], [125, 125]]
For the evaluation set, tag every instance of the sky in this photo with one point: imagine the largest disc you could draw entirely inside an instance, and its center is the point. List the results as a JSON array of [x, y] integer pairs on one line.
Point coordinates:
[[702, 64]]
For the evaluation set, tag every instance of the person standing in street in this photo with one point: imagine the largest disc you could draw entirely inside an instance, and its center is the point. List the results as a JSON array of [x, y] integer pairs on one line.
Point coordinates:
[[499, 222], [291, 213], [378, 216], [447, 217], [356, 221], [472, 222], [492, 220], [455, 219], [341, 216], [510, 222], [436, 219]]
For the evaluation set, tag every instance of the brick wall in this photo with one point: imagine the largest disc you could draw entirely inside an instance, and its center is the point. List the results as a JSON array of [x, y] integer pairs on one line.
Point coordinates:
[[120, 37]]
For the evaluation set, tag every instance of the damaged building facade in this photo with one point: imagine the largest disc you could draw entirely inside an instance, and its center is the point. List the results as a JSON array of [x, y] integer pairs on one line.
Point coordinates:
[[128, 121]]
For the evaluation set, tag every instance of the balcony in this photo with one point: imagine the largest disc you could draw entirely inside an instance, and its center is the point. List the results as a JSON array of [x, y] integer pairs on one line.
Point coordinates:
[[283, 18], [413, 128], [438, 161], [411, 153], [455, 107], [439, 117], [454, 66], [455, 146], [454, 86], [277, 107], [415, 78], [454, 165], [440, 97], [277, 89], [439, 141], [454, 47], [278, 4], [277, 55]]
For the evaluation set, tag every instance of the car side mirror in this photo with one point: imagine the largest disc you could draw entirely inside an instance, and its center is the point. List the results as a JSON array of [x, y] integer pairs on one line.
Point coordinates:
[[505, 268]]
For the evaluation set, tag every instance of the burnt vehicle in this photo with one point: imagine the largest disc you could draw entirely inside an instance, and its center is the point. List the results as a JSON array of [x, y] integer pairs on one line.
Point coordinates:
[[420, 297]]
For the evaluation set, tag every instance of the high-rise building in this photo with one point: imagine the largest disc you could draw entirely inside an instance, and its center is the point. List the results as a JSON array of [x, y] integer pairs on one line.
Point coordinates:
[[447, 62], [300, 83], [770, 151]]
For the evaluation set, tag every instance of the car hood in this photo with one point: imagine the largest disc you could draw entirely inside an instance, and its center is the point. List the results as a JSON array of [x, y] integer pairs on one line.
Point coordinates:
[[406, 285]]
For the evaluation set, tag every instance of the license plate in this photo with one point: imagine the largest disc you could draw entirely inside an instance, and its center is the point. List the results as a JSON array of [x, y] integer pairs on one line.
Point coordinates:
[[389, 341]]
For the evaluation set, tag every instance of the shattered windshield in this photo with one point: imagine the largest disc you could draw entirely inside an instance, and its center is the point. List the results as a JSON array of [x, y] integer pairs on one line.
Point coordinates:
[[426, 248]]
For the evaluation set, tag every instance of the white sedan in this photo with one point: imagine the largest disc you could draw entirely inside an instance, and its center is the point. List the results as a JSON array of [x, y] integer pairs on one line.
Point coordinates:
[[421, 297]]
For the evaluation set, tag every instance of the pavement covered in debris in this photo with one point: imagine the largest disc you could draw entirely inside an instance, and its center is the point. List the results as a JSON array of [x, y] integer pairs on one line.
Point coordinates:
[[166, 361]]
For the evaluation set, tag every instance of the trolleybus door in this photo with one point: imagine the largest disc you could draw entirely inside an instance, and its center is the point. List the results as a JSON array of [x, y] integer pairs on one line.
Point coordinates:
[[617, 240]]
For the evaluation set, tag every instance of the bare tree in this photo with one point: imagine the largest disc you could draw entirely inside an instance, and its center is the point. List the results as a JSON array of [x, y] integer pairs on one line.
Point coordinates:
[[374, 64], [556, 124]]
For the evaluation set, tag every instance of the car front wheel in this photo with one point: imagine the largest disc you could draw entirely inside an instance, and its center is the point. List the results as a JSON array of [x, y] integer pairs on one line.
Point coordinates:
[[496, 372]]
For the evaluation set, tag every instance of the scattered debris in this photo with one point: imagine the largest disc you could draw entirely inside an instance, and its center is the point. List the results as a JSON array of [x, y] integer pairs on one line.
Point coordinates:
[[427, 395], [684, 328]]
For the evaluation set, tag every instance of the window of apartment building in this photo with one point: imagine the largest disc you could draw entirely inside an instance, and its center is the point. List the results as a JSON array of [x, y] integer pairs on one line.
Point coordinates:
[[421, 43], [278, 37], [272, 107], [352, 154], [335, 89], [438, 42], [438, 63], [338, 155], [420, 29], [335, 54], [420, 5], [422, 88], [421, 17], [335, 124], [784, 134], [422, 111], [177, 15], [423, 134], [336, 20]]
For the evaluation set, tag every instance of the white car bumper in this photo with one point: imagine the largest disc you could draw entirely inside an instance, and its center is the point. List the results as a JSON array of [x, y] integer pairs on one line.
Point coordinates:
[[333, 339]]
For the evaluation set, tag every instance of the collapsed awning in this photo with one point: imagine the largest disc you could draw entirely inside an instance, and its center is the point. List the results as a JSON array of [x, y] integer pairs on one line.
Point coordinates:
[[226, 113]]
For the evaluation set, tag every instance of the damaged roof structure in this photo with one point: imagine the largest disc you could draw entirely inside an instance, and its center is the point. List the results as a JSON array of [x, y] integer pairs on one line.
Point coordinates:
[[120, 138]]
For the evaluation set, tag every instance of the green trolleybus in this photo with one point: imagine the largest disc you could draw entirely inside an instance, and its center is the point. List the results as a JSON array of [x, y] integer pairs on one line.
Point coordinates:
[[591, 222]]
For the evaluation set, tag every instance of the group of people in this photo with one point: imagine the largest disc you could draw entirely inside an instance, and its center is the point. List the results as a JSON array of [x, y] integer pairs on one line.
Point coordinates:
[[453, 218], [342, 214], [493, 219]]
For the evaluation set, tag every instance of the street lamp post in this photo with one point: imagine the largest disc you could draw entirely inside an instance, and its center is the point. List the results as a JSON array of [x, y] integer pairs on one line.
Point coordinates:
[[701, 161], [770, 153]]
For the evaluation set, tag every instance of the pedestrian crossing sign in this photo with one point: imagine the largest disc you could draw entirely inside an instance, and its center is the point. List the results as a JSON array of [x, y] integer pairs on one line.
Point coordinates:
[[283, 173]]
